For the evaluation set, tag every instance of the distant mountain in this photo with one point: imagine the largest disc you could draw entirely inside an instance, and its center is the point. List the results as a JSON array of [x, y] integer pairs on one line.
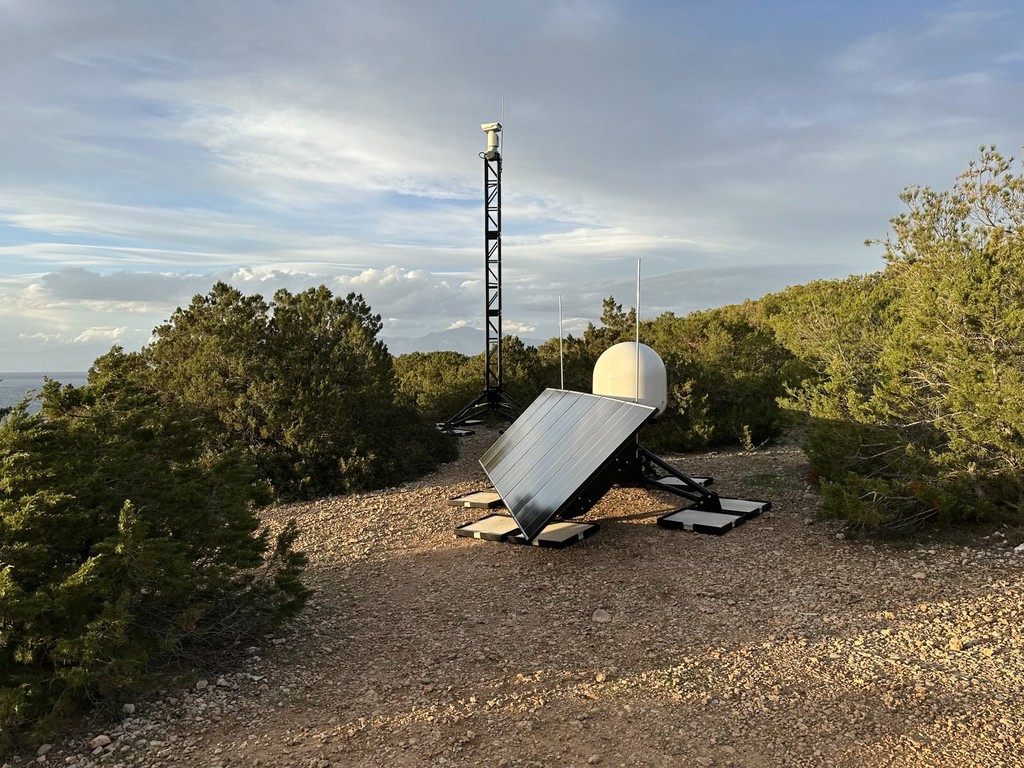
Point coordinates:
[[466, 341]]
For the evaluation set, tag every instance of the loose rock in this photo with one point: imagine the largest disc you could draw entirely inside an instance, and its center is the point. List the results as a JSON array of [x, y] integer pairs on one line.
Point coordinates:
[[100, 741]]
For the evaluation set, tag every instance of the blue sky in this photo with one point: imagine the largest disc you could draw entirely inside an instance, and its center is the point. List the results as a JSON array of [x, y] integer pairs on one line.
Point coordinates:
[[151, 148]]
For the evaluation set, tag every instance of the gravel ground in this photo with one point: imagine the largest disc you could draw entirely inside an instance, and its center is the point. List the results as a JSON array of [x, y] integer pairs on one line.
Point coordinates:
[[780, 643]]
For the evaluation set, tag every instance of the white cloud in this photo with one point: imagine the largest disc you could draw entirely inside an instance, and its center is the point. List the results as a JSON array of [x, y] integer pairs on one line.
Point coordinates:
[[512, 327], [106, 335]]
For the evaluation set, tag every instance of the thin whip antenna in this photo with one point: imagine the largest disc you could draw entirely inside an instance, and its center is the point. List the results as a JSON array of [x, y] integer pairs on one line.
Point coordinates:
[[561, 359], [501, 120], [637, 390]]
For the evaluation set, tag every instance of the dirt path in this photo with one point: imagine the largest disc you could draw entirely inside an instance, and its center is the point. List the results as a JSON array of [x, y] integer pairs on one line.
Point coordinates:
[[779, 643]]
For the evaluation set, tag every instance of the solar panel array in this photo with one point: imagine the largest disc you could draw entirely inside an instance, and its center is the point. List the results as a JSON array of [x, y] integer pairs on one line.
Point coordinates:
[[554, 449]]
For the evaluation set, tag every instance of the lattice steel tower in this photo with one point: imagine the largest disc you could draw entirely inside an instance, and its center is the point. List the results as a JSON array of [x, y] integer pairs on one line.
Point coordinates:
[[493, 397]]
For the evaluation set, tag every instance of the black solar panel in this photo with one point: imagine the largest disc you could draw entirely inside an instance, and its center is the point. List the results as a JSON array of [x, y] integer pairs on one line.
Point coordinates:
[[554, 449]]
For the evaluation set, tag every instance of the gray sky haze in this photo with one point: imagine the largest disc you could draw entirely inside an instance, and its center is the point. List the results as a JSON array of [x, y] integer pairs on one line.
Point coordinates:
[[150, 149]]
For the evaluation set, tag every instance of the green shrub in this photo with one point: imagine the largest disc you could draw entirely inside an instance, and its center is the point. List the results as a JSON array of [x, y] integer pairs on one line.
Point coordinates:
[[915, 398], [126, 547], [725, 374], [438, 384], [302, 385]]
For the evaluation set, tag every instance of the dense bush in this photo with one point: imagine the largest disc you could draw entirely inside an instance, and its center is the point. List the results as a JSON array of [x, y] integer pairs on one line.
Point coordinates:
[[439, 384], [302, 384], [125, 546], [128, 537], [916, 400], [726, 372]]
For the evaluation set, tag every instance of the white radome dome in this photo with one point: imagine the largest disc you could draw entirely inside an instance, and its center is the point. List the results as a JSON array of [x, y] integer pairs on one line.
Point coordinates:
[[615, 375]]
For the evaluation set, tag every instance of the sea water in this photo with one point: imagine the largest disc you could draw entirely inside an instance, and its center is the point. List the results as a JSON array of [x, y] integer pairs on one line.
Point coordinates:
[[14, 386]]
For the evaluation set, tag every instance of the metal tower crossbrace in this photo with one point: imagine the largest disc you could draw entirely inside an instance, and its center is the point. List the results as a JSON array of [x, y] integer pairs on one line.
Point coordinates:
[[493, 397]]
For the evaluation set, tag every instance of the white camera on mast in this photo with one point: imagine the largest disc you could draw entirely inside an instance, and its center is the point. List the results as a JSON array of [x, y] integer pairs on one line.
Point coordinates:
[[492, 130]]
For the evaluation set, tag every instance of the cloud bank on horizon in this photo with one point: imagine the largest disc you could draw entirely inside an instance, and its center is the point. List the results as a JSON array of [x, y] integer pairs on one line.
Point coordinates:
[[151, 149]]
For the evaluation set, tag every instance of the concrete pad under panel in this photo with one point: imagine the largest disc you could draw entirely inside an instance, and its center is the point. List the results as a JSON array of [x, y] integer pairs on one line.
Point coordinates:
[[748, 507], [699, 521], [485, 499], [558, 534], [745, 507], [489, 528]]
